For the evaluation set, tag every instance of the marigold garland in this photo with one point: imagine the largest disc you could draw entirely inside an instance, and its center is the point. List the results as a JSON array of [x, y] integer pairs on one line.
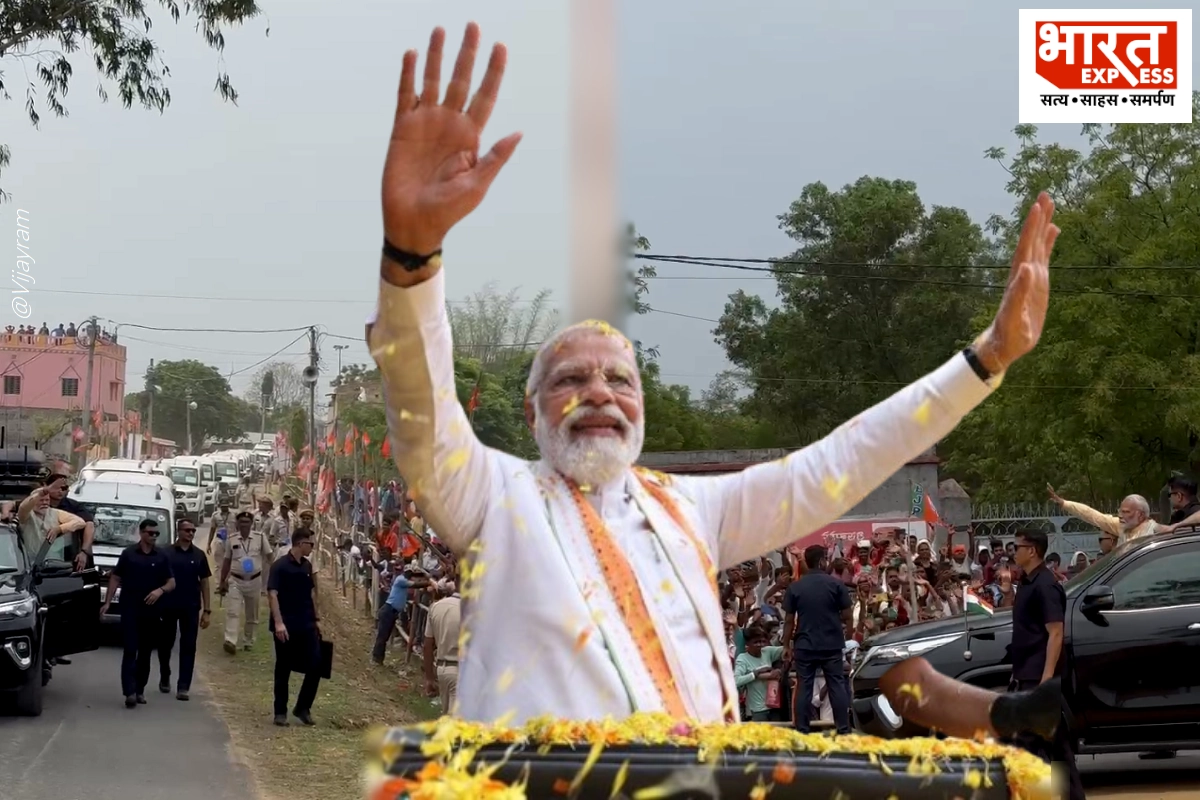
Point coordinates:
[[450, 771]]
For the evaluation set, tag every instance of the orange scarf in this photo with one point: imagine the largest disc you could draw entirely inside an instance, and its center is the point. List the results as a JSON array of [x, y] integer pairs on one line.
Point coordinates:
[[623, 587]]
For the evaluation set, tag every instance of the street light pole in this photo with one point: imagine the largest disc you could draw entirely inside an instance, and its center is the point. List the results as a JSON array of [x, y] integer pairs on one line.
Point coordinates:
[[191, 406]]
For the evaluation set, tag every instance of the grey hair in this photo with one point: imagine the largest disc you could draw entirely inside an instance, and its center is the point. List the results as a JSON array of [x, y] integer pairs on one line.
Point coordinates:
[[1140, 503], [544, 357]]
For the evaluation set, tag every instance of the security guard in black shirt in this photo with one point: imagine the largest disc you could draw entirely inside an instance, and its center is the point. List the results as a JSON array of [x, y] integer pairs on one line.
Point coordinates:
[[185, 610], [292, 589], [143, 573], [1039, 610]]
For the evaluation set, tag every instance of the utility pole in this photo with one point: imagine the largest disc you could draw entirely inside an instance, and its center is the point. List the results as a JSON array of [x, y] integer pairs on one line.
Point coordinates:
[[151, 388], [340, 348], [190, 406], [94, 325], [313, 358]]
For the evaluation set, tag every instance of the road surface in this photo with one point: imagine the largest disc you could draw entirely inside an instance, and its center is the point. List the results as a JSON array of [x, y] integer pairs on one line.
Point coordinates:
[[87, 741]]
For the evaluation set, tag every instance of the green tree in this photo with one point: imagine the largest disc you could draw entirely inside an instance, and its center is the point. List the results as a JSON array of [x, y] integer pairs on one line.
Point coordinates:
[[287, 386], [41, 35], [1108, 404], [494, 328], [216, 411], [861, 312]]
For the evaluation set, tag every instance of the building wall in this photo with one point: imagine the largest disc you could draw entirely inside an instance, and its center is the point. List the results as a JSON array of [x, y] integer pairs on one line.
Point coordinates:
[[43, 364]]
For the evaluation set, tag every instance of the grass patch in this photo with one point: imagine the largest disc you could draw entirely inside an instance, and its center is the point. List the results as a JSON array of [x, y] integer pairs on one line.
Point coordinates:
[[325, 761]]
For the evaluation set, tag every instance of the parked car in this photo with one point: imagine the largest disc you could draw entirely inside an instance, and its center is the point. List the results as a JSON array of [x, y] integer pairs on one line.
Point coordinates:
[[46, 611], [1131, 644]]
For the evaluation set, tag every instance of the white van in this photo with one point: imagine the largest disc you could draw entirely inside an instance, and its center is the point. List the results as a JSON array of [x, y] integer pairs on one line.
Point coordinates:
[[118, 503], [228, 473], [121, 465], [188, 490], [208, 478]]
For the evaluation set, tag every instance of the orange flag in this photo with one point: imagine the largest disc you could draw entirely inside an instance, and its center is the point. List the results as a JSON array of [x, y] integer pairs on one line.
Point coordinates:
[[348, 447], [386, 450], [366, 440]]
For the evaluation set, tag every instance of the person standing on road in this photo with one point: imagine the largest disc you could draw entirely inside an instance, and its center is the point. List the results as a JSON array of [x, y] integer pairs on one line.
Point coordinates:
[[248, 550], [186, 609], [390, 611], [1036, 647], [441, 646], [218, 533], [143, 573], [819, 607], [292, 588]]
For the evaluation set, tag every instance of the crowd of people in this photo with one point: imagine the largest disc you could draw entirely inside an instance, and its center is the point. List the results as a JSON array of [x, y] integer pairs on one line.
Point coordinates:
[[896, 579]]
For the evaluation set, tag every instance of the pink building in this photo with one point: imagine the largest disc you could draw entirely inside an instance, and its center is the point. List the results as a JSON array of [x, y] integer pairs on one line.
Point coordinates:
[[44, 386]]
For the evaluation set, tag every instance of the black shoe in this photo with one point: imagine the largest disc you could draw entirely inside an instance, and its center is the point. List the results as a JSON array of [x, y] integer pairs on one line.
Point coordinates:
[[1037, 711], [130, 701], [141, 699], [165, 687], [181, 695], [281, 720], [231, 648], [304, 717]]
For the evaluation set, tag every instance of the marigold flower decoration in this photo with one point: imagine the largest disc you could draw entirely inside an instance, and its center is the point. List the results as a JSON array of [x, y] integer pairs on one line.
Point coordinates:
[[451, 771]]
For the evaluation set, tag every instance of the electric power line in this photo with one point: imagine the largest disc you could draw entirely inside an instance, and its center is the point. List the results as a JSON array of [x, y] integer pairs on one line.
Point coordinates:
[[719, 260], [899, 279]]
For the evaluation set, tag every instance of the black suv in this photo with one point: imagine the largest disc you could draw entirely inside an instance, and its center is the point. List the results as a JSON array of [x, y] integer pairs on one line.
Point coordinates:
[[45, 611], [1131, 650]]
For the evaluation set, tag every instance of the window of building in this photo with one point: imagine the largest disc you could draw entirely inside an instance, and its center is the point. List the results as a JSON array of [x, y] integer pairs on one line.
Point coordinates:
[[114, 391], [70, 387], [12, 384]]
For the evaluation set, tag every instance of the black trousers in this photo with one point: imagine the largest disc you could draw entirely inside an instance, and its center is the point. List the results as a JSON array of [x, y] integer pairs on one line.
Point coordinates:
[[833, 666], [384, 628], [185, 621], [140, 633], [1061, 750], [300, 653]]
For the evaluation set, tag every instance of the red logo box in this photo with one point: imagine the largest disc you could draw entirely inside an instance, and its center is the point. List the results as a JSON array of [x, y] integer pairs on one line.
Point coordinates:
[[1108, 56]]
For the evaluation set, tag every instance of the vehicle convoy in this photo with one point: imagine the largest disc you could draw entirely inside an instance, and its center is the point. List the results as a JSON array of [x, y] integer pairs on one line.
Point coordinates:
[[45, 610], [1131, 646], [118, 502], [229, 475]]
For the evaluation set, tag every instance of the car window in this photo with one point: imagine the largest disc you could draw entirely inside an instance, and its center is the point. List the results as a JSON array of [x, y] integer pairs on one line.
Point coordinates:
[[1169, 577]]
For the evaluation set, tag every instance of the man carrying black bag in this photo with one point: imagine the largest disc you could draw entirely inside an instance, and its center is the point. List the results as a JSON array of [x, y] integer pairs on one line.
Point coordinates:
[[292, 588]]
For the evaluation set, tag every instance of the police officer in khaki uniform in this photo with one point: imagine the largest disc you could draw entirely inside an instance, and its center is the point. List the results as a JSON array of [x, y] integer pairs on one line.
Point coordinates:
[[218, 533], [272, 527], [247, 553]]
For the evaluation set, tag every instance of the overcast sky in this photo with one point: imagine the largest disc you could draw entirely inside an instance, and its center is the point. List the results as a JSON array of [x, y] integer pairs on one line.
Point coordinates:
[[265, 215]]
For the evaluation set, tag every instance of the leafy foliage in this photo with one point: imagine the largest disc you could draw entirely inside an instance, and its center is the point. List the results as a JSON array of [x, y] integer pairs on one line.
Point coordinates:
[[1108, 404], [41, 35], [288, 387], [217, 410], [860, 313]]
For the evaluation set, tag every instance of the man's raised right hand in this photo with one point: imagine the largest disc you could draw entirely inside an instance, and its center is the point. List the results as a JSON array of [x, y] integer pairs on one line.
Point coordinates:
[[433, 176]]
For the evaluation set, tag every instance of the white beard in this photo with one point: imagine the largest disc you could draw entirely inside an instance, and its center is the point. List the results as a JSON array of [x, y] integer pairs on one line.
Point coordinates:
[[590, 460]]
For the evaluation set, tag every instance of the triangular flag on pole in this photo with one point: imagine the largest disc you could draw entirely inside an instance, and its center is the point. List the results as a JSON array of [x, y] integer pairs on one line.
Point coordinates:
[[366, 439], [386, 449], [930, 514]]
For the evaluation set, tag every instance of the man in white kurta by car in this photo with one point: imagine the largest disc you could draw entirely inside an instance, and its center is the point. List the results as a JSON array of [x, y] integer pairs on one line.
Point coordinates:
[[623, 614]]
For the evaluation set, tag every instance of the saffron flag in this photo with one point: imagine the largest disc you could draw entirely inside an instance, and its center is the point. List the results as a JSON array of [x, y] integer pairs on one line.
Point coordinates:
[[348, 447], [386, 450], [473, 403], [366, 440], [930, 514]]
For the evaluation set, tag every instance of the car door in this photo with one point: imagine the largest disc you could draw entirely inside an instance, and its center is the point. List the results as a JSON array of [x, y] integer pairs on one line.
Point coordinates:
[[72, 602], [1135, 665]]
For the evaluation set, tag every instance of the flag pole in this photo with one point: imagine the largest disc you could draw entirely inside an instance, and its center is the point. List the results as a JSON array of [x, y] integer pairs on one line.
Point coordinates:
[[908, 556]]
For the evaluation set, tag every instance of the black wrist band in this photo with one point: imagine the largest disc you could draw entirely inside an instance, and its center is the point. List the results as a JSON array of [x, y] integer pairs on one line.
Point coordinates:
[[410, 262], [976, 365]]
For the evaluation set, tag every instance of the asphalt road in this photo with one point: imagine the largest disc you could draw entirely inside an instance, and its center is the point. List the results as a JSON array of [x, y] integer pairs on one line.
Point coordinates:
[[87, 744]]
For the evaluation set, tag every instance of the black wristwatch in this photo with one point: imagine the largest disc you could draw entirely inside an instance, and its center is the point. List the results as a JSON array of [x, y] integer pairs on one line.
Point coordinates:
[[409, 262], [976, 365]]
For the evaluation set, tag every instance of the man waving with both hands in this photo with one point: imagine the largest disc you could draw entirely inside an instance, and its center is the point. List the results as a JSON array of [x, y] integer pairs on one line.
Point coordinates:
[[625, 559]]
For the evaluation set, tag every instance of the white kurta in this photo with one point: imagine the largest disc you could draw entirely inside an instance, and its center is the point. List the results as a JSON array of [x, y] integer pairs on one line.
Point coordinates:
[[543, 635]]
